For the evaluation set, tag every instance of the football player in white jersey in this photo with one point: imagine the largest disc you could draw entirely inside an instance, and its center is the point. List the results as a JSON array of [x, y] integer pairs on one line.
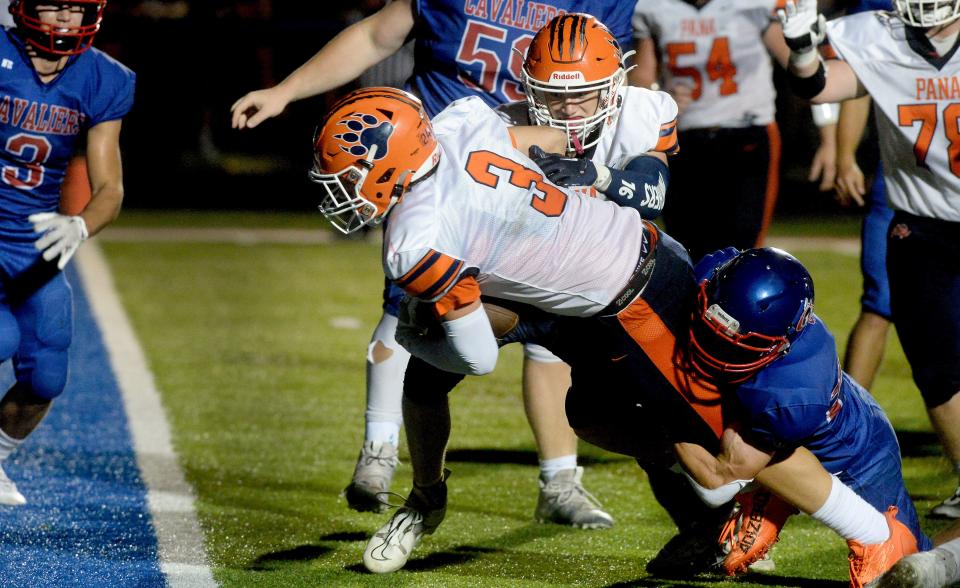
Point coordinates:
[[573, 77], [470, 214], [604, 158], [906, 61], [716, 61], [477, 215]]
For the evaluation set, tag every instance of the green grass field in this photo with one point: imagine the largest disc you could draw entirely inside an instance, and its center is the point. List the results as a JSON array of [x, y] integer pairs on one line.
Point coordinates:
[[259, 354]]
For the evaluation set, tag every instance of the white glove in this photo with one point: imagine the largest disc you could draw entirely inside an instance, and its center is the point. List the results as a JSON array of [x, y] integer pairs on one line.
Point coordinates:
[[803, 29], [62, 235]]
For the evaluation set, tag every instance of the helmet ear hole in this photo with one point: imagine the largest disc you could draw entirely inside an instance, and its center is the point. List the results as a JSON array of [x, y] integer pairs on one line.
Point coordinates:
[[749, 311]]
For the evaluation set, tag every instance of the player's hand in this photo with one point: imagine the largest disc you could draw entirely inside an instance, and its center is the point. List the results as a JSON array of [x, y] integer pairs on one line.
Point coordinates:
[[258, 106], [565, 171], [824, 167], [682, 95], [850, 184], [415, 321], [803, 27], [61, 235]]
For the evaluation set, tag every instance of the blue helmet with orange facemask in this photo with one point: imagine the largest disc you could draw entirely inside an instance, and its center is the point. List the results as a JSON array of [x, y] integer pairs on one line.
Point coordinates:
[[751, 306]]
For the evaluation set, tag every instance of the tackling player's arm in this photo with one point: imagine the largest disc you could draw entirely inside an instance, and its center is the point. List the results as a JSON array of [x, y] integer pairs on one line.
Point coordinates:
[[546, 138], [803, 30], [718, 478], [343, 59]]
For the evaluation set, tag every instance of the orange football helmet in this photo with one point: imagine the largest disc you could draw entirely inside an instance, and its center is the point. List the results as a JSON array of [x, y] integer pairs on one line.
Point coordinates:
[[371, 147], [574, 53]]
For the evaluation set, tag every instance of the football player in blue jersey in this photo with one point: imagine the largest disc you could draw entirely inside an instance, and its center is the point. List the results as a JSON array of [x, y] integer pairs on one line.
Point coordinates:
[[54, 90], [753, 332], [462, 48]]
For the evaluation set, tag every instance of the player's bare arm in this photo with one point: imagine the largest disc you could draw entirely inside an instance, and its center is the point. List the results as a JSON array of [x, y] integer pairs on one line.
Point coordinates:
[[803, 30], [60, 235], [645, 58], [737, 460], [853, 120], [549, 139], [343, 59], [106, 175]]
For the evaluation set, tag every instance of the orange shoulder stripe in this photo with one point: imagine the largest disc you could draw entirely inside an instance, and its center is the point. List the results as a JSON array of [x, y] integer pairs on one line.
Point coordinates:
[[431, 276]]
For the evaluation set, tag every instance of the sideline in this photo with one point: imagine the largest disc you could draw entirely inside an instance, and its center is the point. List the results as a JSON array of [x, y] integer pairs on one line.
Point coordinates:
[[171, 500]]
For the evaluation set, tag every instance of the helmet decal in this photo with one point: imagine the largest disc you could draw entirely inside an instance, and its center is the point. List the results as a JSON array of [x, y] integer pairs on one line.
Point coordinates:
[[372, 146], [363, 135]]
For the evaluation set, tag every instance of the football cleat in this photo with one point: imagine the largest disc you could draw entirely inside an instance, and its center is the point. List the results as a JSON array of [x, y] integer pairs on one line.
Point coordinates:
[[949, 508], [372, 477], [869, 562], [564, 500], [689, 553], [930, 569], [390, 547], [752, 530], [9, 495]]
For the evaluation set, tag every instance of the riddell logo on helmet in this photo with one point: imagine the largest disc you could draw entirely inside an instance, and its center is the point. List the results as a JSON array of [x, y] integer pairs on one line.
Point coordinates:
[[566, 76]]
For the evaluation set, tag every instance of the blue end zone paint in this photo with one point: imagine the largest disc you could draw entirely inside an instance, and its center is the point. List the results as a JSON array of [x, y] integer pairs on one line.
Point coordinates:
[[86, 521]]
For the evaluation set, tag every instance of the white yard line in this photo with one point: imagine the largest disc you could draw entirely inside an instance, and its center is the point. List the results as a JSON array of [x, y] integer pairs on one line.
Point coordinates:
[[171, 500]]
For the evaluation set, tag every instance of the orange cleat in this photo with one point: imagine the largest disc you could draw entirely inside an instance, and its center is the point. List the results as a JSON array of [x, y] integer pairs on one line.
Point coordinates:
[[869, 562], [752, 529]]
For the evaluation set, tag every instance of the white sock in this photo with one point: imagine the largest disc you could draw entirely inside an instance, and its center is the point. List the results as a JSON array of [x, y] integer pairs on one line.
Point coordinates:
[[7, 445], [380, 432], [550, 467], [852, 517]]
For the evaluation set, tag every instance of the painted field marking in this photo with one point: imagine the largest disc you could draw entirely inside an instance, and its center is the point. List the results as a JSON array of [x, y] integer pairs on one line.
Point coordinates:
[[170, 499]]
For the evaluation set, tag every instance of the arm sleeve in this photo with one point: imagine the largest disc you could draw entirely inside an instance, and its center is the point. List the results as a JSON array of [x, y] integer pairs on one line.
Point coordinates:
[[467, 346], [641, 184]]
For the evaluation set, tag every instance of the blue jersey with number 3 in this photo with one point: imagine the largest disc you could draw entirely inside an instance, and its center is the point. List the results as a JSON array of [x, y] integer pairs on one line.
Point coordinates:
[[40, 124], [476, 47]]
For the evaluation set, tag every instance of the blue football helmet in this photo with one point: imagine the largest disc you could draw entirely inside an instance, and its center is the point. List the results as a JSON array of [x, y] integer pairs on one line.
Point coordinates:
[[751, 307]]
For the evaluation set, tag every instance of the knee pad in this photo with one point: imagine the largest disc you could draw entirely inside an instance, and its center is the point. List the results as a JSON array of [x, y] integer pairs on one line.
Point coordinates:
[[9, 335], [44, 374], [424, 384]]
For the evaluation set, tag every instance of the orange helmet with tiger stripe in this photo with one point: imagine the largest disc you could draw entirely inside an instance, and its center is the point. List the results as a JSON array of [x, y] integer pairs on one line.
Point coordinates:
[[371, 147], [574, 53]]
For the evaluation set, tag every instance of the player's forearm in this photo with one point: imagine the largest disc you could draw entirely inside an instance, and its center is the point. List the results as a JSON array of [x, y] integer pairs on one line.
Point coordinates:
[[104, 207], [467, 346], [350, 53], [799, 479], [853, 120]]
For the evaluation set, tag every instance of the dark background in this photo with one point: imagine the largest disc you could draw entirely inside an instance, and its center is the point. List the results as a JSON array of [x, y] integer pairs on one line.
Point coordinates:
[[194, 59]]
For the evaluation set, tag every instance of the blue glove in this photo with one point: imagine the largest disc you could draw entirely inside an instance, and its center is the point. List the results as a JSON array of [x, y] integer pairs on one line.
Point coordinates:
[[564, 171]]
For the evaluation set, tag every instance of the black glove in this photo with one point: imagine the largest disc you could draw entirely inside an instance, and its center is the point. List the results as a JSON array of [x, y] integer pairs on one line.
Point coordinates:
[[564, 171]]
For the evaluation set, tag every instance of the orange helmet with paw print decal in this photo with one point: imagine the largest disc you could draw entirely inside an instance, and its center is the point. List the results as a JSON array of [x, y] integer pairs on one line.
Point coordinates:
[[371, 147]]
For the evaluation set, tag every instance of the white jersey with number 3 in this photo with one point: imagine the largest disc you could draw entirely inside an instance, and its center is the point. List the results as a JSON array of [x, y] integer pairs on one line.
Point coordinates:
[[918, 112], [488, 211], [718, 51]]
